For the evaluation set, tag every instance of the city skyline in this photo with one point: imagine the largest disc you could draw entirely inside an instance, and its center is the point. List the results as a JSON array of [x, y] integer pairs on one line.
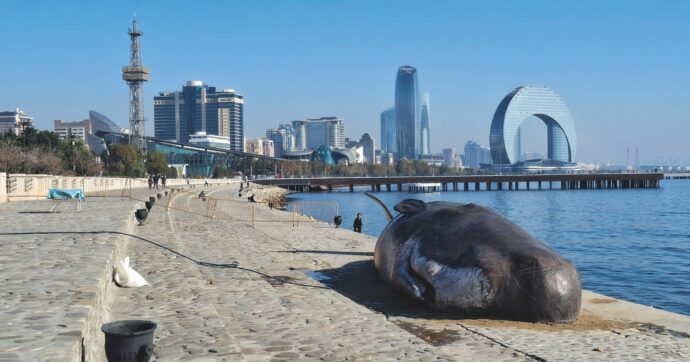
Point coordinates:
[[619, 65]]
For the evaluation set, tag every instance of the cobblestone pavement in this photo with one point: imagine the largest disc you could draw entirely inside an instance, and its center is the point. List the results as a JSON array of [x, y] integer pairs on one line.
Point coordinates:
[[222, 290], [49, 283]]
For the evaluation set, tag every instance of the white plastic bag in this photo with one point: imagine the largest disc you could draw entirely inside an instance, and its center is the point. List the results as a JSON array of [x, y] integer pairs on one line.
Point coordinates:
[[126, 277]]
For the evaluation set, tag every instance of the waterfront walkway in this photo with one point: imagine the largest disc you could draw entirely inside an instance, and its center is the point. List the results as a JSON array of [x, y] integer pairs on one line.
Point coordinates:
[[222, 290]]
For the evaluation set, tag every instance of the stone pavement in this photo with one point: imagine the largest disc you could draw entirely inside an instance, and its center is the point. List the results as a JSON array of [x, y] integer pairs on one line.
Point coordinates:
[[54, 288], [278, 292], [222, 290]]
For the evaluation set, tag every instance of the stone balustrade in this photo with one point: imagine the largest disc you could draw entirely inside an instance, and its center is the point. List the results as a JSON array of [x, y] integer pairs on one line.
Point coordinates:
[[22, 187]]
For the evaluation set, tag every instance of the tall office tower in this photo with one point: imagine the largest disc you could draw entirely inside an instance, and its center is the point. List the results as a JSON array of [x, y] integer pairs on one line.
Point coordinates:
[[135, 74], [289, 141], [407, 122], [14, 121], [475, 154], [388, 135], [425, 135], [313, 133], [451, 157], [283, 139], [199, 108], [368, 143], [278, 139]]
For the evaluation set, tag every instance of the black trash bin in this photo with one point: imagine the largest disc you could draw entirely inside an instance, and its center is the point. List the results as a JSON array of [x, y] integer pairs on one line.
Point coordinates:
[[129, 340]]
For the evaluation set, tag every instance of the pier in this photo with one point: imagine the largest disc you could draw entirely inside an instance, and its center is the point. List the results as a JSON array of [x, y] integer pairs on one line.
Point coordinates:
[[597, 181]]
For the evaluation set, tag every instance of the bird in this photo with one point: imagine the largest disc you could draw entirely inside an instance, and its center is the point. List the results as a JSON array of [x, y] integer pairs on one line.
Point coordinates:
[[166, 193], [337, 220], [152, 199], [159, 196], [141, 215], [149, 205]]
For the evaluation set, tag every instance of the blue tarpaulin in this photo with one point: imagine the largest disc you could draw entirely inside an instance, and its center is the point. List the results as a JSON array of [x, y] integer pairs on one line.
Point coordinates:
[[66, 194]]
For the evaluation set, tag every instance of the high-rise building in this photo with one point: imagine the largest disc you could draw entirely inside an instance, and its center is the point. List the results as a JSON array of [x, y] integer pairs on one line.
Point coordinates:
[[388, 135], [283, 139], [543, 103], [368, 143], [407, 115], [199, 108], [475, 155], [425, 135], [451, 157], [324, 131], [14, 121]]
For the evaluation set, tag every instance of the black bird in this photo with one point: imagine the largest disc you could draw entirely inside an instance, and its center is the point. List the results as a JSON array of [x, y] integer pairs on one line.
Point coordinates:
[[166, 193], [141, 215], [149, 205], [159, 196], [152, 199], [337, 220]]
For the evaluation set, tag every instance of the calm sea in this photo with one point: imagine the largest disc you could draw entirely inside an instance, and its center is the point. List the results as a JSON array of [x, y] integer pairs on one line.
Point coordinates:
[[632, 244]]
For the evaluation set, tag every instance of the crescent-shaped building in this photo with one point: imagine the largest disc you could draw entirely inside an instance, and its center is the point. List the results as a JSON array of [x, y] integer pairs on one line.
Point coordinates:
[[543, 103]]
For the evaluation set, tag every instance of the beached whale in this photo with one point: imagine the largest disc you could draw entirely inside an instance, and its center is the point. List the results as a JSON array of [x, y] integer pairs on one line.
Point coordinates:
[[470, 259]]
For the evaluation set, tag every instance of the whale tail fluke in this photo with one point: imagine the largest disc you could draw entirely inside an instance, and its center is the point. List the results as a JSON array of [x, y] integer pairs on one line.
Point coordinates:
[[389, 216]]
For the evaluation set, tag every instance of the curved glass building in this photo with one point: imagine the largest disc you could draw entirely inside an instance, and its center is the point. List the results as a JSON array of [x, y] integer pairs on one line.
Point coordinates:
[[424, 122], [407, 115], [543, 103]]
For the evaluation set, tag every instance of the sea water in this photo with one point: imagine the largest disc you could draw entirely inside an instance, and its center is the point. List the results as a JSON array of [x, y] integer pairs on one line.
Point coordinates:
[[632, 244]]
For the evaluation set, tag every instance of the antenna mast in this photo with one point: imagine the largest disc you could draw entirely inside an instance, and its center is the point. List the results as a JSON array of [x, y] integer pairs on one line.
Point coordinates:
[[135, 75]]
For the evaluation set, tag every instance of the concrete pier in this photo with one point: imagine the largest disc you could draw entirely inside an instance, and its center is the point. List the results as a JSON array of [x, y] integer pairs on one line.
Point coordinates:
[[566, 181], [221, 290]]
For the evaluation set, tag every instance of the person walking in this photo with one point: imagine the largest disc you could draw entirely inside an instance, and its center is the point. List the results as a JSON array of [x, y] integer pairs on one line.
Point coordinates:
[[155, 181], [163, 178], [358, 223], [150, 182]]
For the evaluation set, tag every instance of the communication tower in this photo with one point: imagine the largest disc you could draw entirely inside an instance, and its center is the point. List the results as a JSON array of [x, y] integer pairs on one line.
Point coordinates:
[[135, 75]]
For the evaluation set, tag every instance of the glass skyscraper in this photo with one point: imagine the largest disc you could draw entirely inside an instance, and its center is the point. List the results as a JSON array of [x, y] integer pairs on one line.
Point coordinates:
[[407, 115], [388, 136], [199, 108], [425, 136], [543, 103]]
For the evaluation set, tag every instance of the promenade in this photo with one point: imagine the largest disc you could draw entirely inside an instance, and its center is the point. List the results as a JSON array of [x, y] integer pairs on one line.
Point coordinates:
[[222, 290]]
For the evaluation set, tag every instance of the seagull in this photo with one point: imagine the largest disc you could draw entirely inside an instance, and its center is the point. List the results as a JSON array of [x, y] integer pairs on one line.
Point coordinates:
[[141, 215]]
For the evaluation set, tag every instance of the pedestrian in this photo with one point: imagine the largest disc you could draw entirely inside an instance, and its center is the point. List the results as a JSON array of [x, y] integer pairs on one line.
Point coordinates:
[[163, 178], [155, 181], [150, 182], [358, 223]]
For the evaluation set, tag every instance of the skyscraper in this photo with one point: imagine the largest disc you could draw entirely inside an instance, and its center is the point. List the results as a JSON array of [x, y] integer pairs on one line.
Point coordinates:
[[475, 155], [324, 131], [199, 108], [388, 135], [368, 143], [425, 135], [407, 115], [283, 139]]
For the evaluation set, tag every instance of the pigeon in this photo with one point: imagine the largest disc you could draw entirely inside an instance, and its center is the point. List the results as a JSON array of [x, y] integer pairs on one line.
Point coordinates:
[[159, 196], [152, 199], [337, 220], [149, 205], [141, 215]]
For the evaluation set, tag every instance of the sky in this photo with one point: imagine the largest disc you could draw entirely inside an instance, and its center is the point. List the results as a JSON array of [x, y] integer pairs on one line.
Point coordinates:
[[621, 66]]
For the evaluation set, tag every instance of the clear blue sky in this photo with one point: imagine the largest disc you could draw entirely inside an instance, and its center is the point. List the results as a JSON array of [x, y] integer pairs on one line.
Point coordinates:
[[622, 66]]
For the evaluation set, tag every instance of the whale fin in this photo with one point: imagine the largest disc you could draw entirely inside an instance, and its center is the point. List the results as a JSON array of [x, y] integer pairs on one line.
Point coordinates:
[[410, 206], [385, 208], [403, 276]]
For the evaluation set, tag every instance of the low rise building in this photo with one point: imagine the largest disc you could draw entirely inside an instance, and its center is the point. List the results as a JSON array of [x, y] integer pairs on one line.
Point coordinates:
[[14, 121]]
